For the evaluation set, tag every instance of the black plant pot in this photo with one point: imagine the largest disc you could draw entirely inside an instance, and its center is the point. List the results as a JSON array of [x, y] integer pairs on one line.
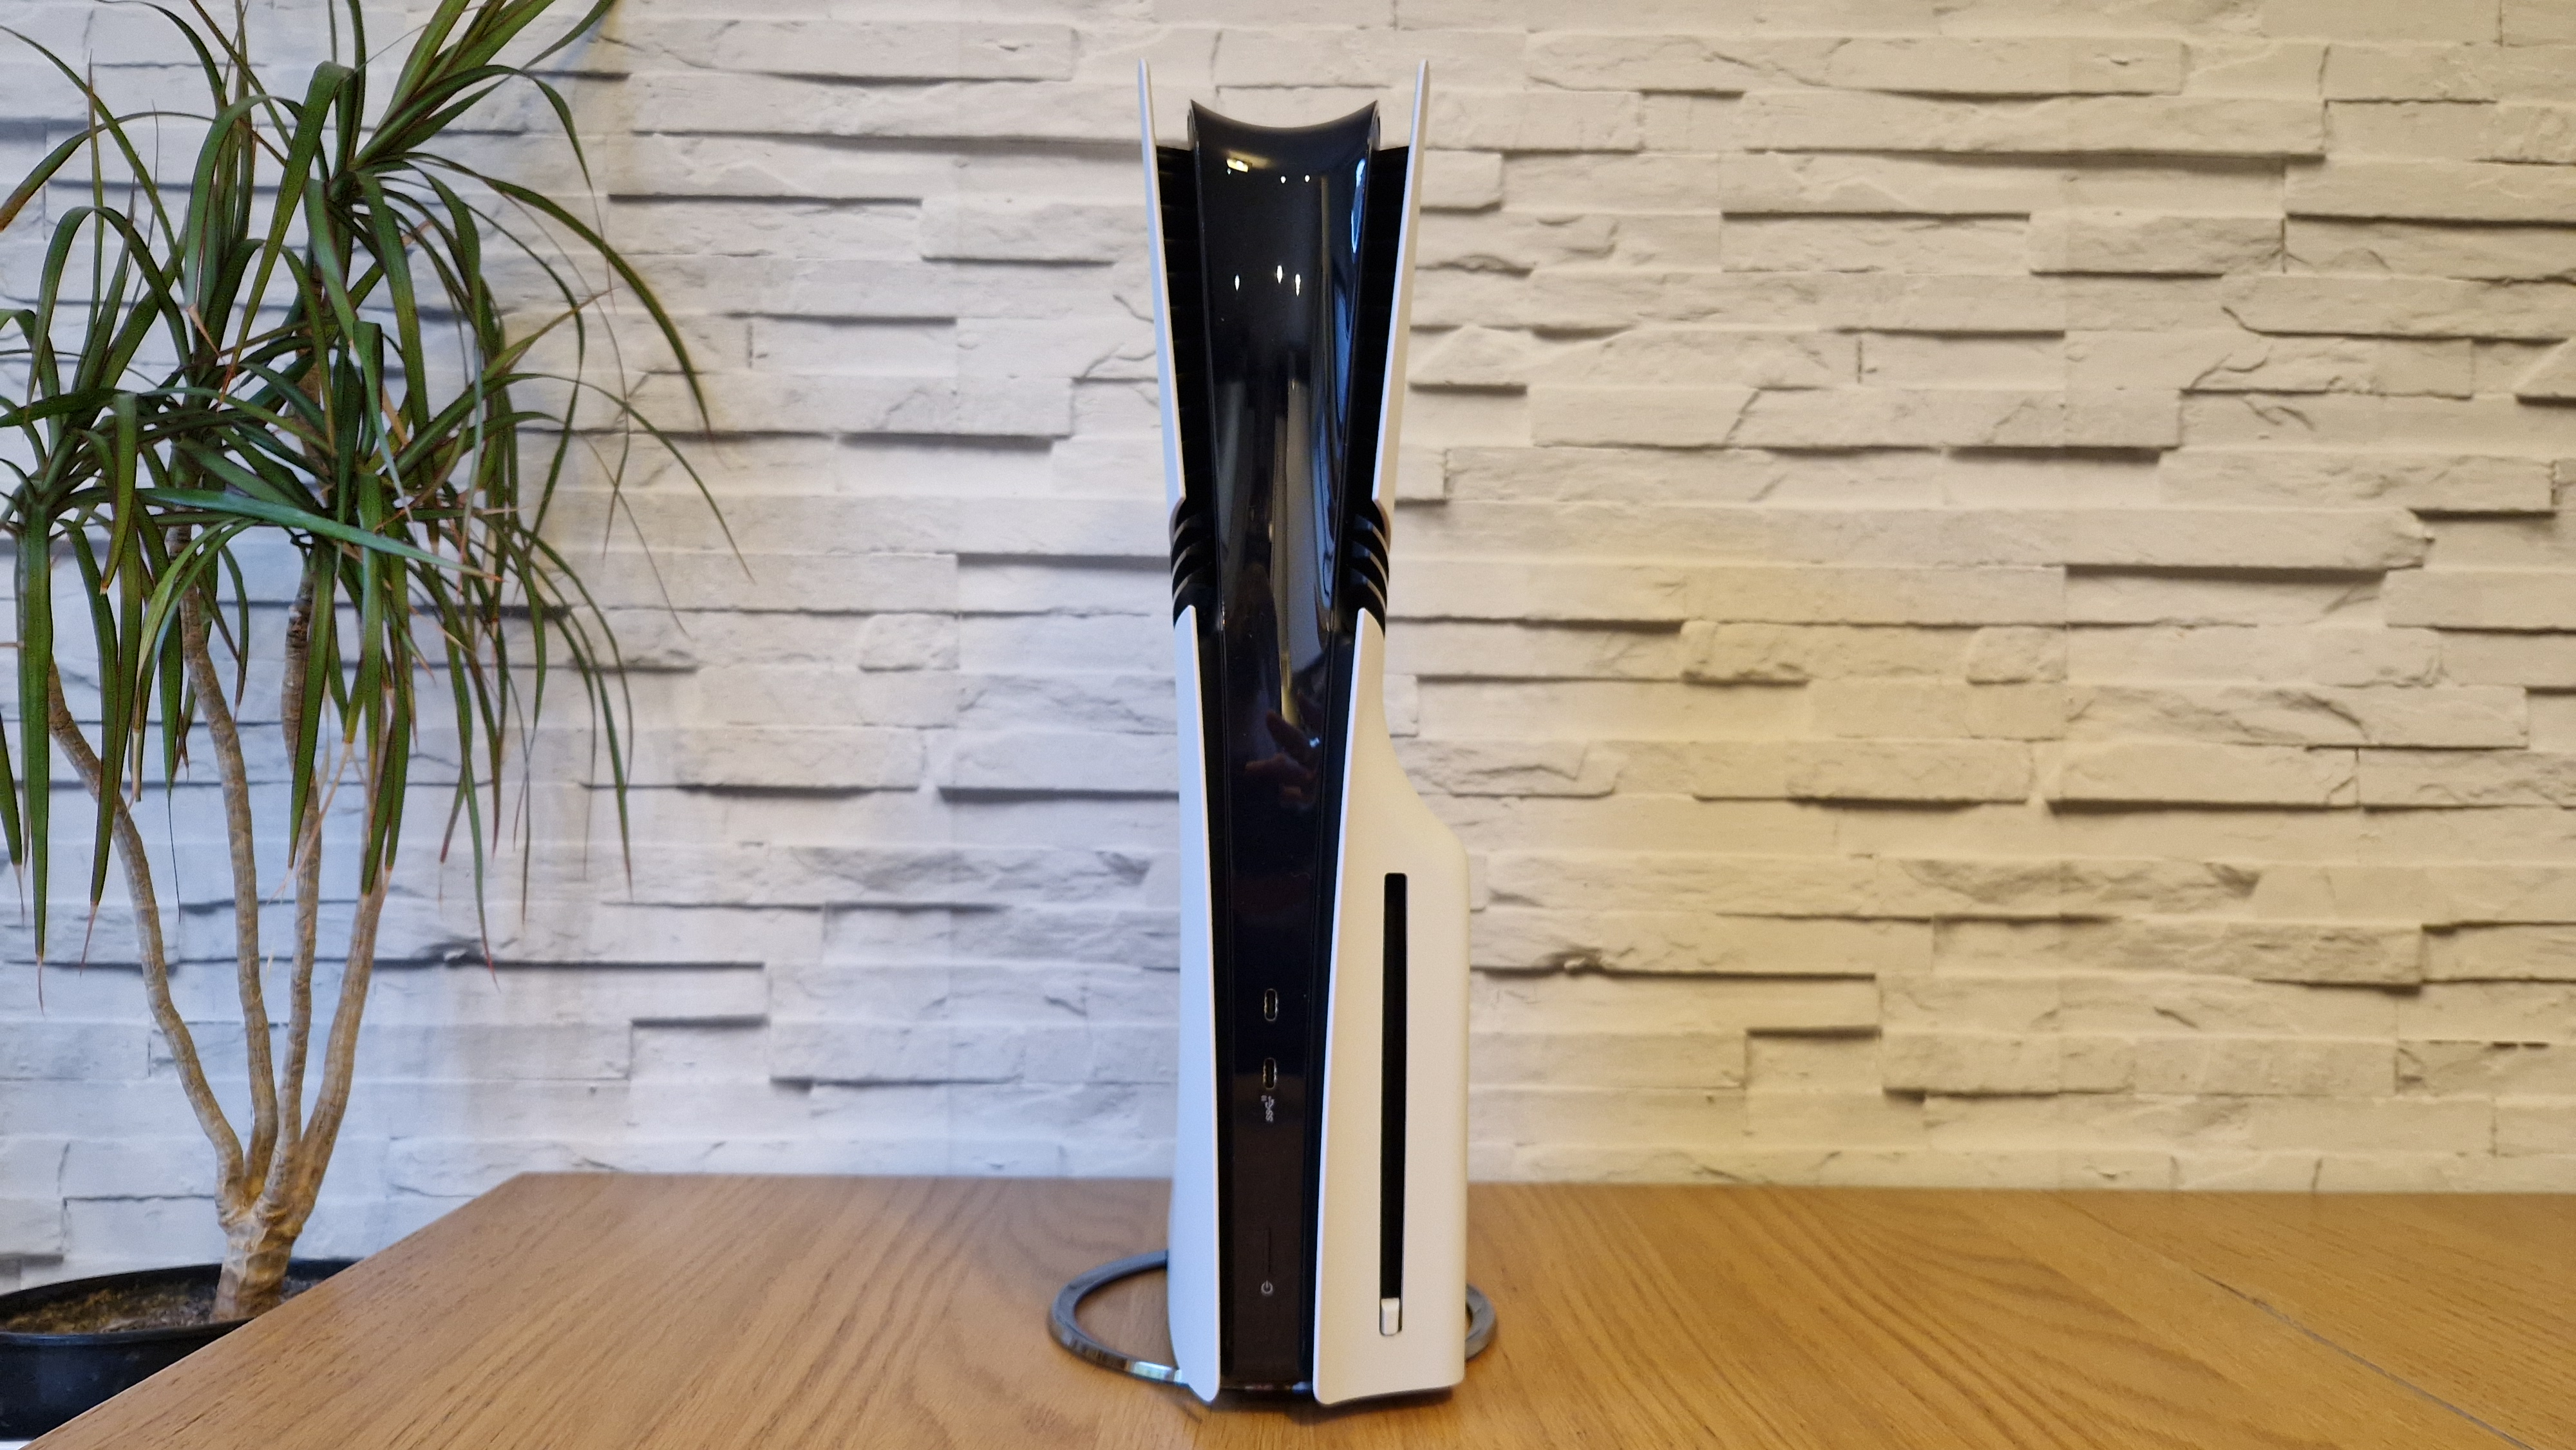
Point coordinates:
[[46, 1379]]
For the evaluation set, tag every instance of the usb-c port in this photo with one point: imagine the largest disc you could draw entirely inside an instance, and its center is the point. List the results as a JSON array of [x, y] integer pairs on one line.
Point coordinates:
[[1269, 1073], [1270, 1004]]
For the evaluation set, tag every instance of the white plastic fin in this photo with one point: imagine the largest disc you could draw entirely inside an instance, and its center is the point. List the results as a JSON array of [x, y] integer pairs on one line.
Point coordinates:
[[1400, 324], [1386, 829], [1162, 293], [1190, 1285]]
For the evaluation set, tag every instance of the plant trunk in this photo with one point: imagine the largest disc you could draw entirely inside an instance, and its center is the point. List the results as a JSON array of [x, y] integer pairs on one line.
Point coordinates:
[[254, 1278]]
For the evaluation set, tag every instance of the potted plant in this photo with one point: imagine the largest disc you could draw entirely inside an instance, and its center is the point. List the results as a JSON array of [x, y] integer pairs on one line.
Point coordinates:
[[289, 335]]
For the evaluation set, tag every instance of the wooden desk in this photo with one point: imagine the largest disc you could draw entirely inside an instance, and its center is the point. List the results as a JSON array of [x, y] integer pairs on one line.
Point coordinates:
[[572, 1312]]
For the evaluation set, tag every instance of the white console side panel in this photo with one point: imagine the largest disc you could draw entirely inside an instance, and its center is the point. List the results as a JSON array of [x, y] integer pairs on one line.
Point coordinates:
[[1390, 418], [1191, 1290], [1386, 828], [1162, 292]]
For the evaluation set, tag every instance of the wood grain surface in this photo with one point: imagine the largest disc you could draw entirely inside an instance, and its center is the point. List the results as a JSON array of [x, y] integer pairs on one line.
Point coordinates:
[[2470, 1299], [708, 1313]]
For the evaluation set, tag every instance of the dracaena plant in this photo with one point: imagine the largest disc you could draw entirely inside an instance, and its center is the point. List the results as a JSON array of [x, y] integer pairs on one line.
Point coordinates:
[[290, 335]]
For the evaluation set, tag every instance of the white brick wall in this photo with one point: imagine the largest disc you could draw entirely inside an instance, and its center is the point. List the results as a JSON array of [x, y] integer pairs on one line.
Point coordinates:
[[1983, 582]]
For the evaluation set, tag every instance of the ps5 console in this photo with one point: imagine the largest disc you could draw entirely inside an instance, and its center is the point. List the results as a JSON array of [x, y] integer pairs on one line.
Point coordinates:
[[1318, 1219]]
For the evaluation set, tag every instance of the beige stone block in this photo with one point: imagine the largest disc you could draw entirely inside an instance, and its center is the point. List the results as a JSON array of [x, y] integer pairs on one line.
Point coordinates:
[[2411, 130], [2460, 716], [2533, 1126], [1959, 418], [2038, 65], [1604, 709], [999, 110], [1618, 475], [1341, 54], [1831, 595], [1882, 184], [2454, 778], [2489, 1012], [2479, 658], [2016, 655], [2537, 22], [2528, 131], [1789, 654], [1821, 121], [1845, 1065], [1969, 1124], [1705, 356], [2470, 1170], [1706, 63], [1592, 184], [2456, 20], [2482, 599], [1510, 768], [2425, 483], [2246, 1172], [2386, 1125], [1910, 360], [1880, 709], [1421, 475], [1951, 306], [2123, 1121], [1936, 245], [1864, 1120], [2114, 241], [1949, 1001], [1662, 417], [2240, 1066], [2126, 1004], [880, 50], [2493, 253], [2293, 69], [1732, 770], [1968, 1063], [1461, 180], [1610, 298], [990, 407], [2419, 307], [1753, 885], [2329, 655], [2124, 887], [1621, 1117], [1472, 357], [1695, 943], [1908, 770], [2500, 892], [1608, 1059], [1533, 589], [2144, 304], [2326, 953], [2502, 954], [797, 758], [2350, 540], [1509, 241], [2550, 380], [978, 228], [2334, 365], [1701, 1005], [1683, 123], [1481, 650], [2487, 1069], [2340, 890], [2468, 191], [2409, 72]]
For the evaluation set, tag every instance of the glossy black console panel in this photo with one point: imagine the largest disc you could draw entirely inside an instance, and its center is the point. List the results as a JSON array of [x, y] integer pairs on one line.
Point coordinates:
[[1280, 257]]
